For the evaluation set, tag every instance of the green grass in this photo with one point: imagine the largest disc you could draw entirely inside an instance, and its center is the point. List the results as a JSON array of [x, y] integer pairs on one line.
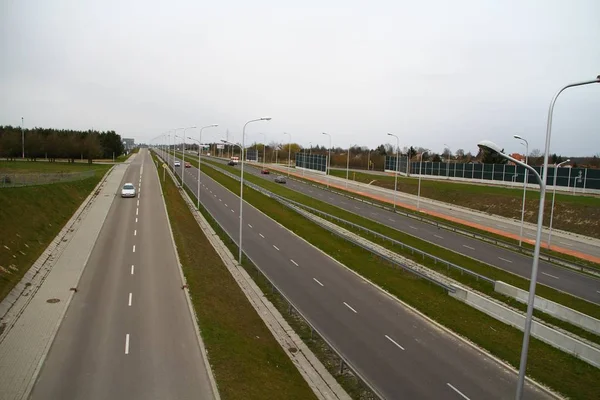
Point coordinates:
[[246, 360], [443, 253], [32, 216], [554, 368], [30, 167], [579, 214]]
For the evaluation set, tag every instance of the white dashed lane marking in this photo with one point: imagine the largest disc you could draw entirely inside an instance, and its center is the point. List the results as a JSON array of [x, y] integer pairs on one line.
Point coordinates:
[[294, 262], [348, 305], [551, 276], [316, 280], [393, 341]]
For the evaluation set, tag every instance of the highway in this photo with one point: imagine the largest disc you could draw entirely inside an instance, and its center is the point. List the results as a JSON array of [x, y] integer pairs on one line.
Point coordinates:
[[569, 242], [400, 353], [128, 333], [564, 279]]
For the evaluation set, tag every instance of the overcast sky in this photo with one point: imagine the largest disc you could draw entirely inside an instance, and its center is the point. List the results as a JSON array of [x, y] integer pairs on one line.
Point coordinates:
[[432, 72]]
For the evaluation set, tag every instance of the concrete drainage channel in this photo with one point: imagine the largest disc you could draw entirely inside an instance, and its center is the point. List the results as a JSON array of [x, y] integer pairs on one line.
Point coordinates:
[[284, 320], [561, 339]]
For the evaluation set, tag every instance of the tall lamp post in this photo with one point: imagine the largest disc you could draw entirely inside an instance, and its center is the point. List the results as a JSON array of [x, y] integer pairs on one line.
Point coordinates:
[[328, 166], [174, 147], [556, 167], [348, 165], [420, 165], [183, 161], [22, 138], [526, 144], [397, 164], [538, 239], [264, 150], [448, 161], [242, 179], [289, 151]]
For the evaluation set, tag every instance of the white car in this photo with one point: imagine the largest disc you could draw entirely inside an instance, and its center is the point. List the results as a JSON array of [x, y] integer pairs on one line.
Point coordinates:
[[128, 190], [177, 164]]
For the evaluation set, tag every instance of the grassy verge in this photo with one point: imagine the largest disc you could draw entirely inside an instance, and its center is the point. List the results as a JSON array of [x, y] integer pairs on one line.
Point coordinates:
[[32, 216], [246, 360], [30, 167], [558, 370], [448, 255]]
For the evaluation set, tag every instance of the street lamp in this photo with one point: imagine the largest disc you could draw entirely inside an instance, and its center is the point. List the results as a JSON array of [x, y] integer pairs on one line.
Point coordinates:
[[264, 149], [174, 146], [183, 160], [526, 144], [348, 164], [397, 163], [420, 165], [556, 167], [22, 138], [328, 166], [448, 161], [242, 178], [538, 238], [289, 151], [200, 158]]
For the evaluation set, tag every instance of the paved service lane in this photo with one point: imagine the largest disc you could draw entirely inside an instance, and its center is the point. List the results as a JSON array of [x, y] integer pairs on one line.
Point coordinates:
[[128, 333], [399, 352], [564, 279]]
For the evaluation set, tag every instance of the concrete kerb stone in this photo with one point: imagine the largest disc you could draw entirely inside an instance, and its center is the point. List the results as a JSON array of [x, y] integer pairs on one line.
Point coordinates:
[[193, 315], [316, 375], [19, 297]]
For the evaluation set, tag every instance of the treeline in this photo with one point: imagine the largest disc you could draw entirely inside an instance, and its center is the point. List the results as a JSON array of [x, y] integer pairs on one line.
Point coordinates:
[[59, 144]]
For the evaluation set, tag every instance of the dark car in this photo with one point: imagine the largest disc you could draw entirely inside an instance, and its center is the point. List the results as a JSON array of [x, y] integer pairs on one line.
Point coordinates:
[[264, 171], [280, 179], [231, 163]]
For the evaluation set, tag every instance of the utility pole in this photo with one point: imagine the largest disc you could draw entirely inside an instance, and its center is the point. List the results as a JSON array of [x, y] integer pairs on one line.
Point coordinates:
[[22, 139]]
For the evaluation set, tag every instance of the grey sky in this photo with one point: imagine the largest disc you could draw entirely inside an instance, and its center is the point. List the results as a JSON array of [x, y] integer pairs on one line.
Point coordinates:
[[432, 72]]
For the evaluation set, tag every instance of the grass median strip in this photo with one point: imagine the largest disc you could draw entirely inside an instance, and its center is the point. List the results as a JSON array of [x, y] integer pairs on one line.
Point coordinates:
[[445, 254], [556, 369], [32, 216], [247, 361]]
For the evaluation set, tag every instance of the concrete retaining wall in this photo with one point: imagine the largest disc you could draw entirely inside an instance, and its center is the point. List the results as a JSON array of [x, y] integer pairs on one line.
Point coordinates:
[[549, 307], [544, 333]]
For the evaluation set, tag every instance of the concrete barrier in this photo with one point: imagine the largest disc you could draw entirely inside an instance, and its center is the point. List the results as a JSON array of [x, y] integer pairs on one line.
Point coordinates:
[[559, 311], [540, 331]]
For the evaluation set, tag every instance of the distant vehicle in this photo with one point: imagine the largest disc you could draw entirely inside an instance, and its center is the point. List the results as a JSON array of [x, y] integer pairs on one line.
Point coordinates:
[[128, 190], [188, 165], [280, 179], [231, 163], [235, 160], [264, 171], [177, 164]]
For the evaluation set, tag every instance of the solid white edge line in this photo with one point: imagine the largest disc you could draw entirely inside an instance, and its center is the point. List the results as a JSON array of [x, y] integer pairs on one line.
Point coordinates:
[[458, 391], [132, 268], [261, 235], [294, 262], [316, 280], [468, 247], [393, 341], [551, 276], [504, 259], [276, 248], [348, 305], [134, 248], [130, 295], [127, 343]]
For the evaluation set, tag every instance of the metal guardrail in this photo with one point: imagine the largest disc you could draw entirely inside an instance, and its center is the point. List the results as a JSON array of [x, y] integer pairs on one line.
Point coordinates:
[[34, 179], [414, 250], [291, 307], [500, 243]]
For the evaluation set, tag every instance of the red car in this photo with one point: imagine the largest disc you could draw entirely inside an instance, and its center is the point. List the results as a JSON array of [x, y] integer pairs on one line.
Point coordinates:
[[188, 165], [264, 171]]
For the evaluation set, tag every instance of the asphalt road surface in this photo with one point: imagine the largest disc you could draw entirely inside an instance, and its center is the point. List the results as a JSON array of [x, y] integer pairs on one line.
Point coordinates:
[[397, 351], [564, 279], [128, 333]]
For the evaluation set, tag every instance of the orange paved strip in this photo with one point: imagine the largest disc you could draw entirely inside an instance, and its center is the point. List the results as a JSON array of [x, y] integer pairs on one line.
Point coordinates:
[[573, 253]]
